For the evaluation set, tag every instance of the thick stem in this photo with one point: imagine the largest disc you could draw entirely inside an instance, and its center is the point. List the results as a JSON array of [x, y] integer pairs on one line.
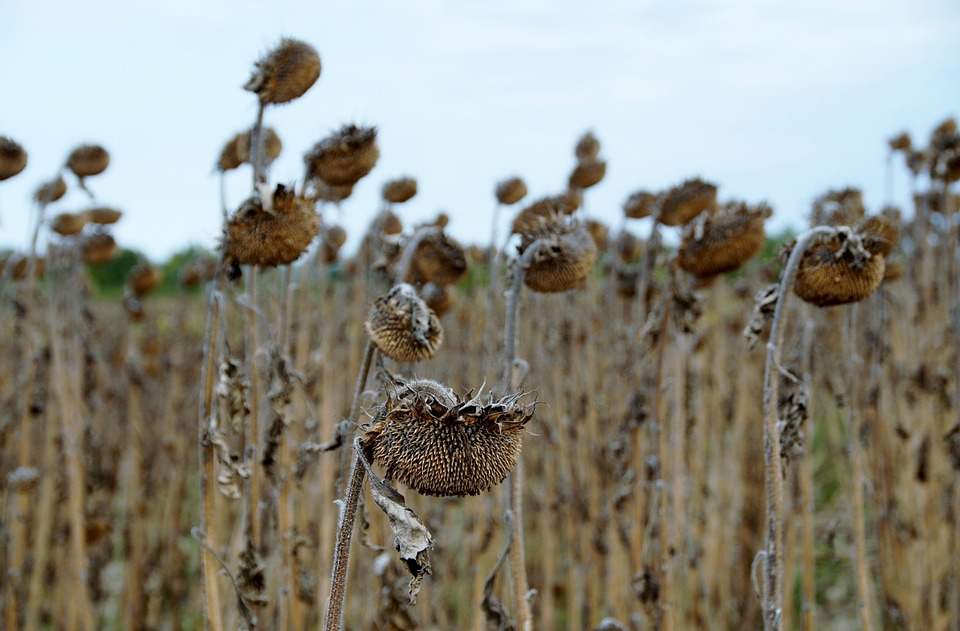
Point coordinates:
[[806, 488], [341, 550], [256, 149], [253, 428], [773, 470], [665, 573]]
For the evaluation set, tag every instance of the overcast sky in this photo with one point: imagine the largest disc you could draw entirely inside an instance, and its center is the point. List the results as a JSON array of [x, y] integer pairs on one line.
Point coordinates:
[[772, 100]]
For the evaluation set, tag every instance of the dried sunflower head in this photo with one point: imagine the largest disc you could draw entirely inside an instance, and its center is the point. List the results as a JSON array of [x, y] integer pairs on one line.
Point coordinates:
[[51, 191], [588, 147], [403, 327], [588, 172], [229, 155], [399, 190], [272, 146], [840, 207], [565, 254], [285, 73], [511, 191], [87, 160], [879, 234], [544, 210], [344, 157], [99, 247], [438, 443], [639, 205], [900, 142], [270, 236], [599, 232], [13, 265], [13, 158], [838, 270], [102, 215], [333, 239], [69, 224], [440, 259], [438, 298], [682, 203], [143, 279], [713, 244], [628, 246]]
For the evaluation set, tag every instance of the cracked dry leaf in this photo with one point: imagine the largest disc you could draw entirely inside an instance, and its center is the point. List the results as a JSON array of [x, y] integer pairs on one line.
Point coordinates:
[[413, 540]]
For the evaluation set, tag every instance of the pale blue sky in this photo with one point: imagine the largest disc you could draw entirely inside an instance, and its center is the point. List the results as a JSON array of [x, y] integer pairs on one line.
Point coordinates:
[[773, 100]]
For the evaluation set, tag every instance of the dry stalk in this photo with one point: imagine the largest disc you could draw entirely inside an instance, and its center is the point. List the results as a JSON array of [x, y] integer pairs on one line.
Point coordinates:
[[772, 582], [809, 606]]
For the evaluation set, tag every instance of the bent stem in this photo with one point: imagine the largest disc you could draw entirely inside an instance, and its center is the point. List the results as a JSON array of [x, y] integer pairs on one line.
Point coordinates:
[[772, 590], [348, 507]]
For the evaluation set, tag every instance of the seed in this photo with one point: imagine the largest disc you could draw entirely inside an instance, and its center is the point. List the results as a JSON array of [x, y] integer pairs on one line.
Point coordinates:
[[639, 205], [440, 444], [713, 244], [286, 72], [271, 237], [682, 203], [511, 191], [399, 190], [403, 327], [87, 160], [13, 158], [344, 157]]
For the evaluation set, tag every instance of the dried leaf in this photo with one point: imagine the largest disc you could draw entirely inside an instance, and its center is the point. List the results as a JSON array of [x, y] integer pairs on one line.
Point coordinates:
[[413, 540]]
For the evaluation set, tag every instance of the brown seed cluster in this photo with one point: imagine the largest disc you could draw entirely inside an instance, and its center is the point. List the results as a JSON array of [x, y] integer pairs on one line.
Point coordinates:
[[511, 191], [565, 254], [713, 244], [68, 224], [543, 210], [847, 267], [344, 157], [682, 203], [639, 205], [399, 190], [403, 327], [268, 237], [440, 259], [13, 158], [87, 160], [440, 444], [285, 73]]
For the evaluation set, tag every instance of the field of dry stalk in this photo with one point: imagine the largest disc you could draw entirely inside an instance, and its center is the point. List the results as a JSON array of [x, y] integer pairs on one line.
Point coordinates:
[[589, 429]]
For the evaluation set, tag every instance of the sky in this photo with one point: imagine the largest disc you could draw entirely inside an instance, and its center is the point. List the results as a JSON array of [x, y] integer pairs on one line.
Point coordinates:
[[774, 101]]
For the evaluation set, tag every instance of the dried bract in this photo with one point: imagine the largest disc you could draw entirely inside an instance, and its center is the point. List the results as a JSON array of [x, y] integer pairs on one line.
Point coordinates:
[[437, 443], [403, 327], [13, 158], [278, 235], [286, 72]]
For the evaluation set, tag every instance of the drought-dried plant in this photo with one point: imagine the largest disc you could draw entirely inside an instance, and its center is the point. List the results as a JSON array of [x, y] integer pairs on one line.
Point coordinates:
[[721, 242], [588, 172], [285, 73], [682, 203], [639, 205], [272, 147], [437, 257], [13, 158], [564, 254], [438, 443], [587, 147], [332, 239], [399, 190], [88, 160], [344, 157], [271, 233], [510, 191], [51, 191], [403, 327], [98, 248], [103, 215], [69, 224]]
